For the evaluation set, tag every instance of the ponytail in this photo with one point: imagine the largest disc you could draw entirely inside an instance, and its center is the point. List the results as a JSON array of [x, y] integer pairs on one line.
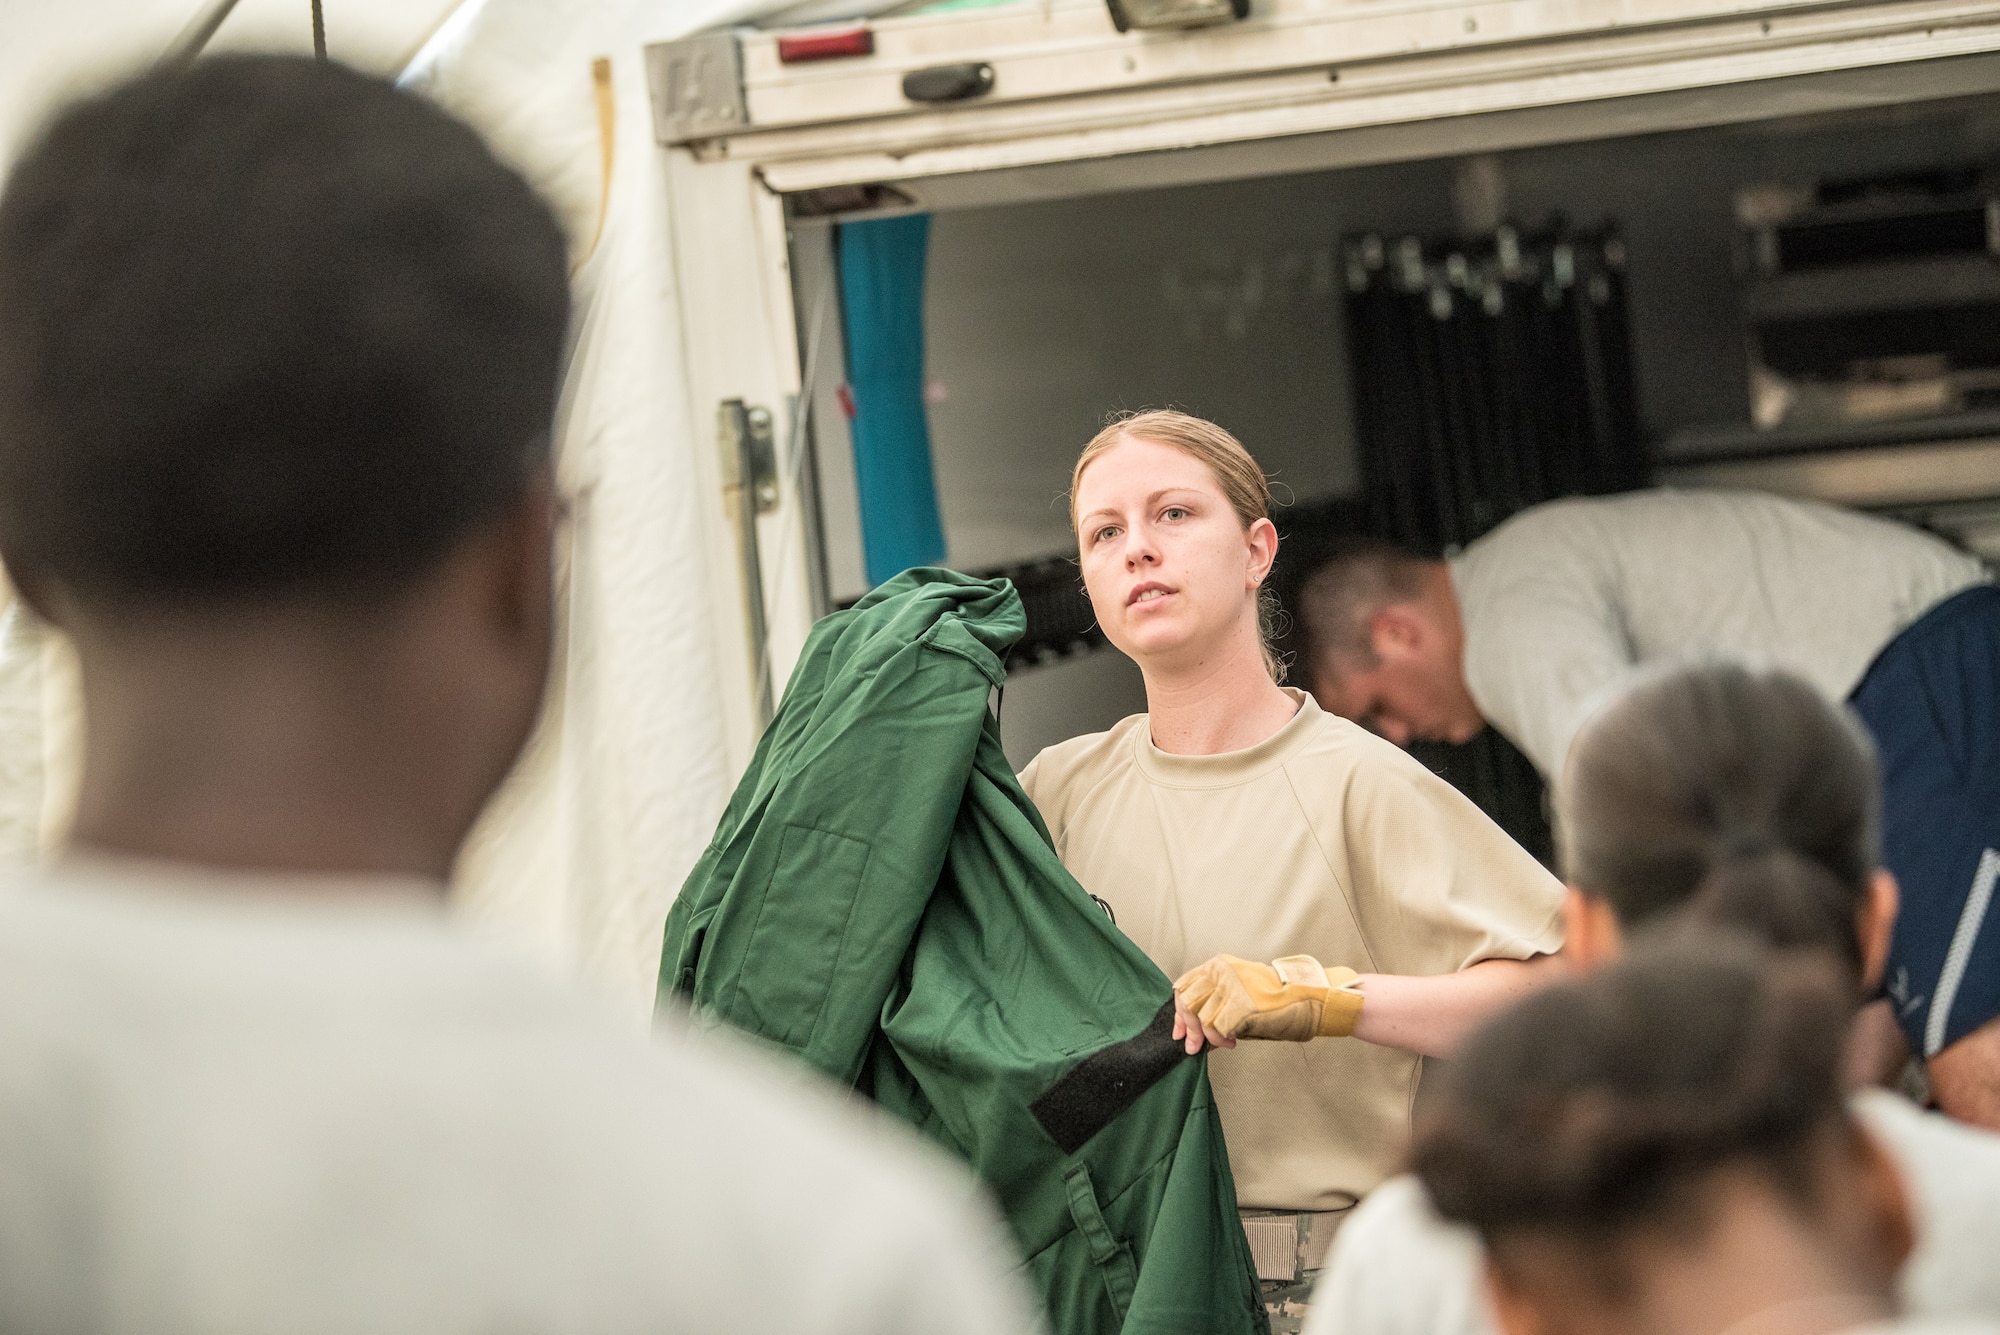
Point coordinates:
[[1731, 795], [1779, 897]]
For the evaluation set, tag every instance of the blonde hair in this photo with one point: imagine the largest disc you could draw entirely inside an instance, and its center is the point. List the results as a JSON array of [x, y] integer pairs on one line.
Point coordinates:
[[1243, 484]]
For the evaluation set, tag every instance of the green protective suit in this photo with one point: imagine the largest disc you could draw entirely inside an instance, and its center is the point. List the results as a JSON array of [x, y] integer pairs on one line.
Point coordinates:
[[883, 900]]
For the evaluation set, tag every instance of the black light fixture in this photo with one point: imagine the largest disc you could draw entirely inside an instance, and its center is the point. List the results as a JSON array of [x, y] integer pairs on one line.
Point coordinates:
[[1129, 14]]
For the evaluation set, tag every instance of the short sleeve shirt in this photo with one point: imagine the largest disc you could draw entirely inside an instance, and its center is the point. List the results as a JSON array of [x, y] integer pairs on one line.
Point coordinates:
[[1564, 599], [314, 1106], [1323, 840]]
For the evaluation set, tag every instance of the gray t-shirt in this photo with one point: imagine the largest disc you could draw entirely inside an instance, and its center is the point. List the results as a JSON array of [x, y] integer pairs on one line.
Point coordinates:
[[233, 1105], [1397, 1268], [1561, 601]]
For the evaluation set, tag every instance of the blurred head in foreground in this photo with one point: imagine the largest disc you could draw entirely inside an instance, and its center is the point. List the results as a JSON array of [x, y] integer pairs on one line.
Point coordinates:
[[279, 349], [1730, 796], [1665, 1145]]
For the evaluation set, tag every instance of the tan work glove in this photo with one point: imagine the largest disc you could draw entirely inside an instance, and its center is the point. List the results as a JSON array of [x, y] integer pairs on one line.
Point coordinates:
[[1295, 999]]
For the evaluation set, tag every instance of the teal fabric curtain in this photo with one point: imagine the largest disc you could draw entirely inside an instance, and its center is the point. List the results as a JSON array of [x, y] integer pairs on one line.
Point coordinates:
[[882, 303]]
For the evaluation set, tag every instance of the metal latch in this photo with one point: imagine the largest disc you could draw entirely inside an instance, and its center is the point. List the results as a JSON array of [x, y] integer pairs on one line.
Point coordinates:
[[949, 83], [750, 487], [749, 445], [1129, 14], [696, 85]]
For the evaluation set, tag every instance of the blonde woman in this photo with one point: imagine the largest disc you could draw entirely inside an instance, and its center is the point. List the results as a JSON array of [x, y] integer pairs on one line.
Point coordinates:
[[1235, 823]]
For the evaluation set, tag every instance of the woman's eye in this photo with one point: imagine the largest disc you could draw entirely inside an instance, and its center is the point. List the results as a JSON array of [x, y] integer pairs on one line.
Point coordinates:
[[1174, 512], [1106, 534]]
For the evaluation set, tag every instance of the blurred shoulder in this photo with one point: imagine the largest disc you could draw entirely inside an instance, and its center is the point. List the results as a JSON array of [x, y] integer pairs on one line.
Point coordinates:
[[742, 1165], [1398, 1268]]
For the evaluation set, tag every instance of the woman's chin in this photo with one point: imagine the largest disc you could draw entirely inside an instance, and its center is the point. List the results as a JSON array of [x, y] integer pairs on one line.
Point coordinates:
[[1157, 641]]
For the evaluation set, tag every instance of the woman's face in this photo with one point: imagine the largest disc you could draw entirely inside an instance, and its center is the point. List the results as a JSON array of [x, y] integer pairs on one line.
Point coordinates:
[[1171, 572]]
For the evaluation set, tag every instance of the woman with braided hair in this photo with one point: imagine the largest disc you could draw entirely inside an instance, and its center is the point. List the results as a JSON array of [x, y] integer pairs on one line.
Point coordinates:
[[1720, 796], [1683, 1161]]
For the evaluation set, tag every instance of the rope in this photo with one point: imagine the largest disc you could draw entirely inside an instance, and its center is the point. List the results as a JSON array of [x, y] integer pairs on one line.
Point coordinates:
[[607, 148]]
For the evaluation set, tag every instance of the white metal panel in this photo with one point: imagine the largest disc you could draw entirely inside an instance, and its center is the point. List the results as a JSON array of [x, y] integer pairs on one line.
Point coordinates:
[[1950, 486], [735, 305], [1449, 136], [788, 587], [1070, 48], [1891, 475], [1564, 70]]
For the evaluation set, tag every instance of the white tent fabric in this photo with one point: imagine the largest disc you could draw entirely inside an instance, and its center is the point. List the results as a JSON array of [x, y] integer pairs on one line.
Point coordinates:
[[51, 50], [582, 853]]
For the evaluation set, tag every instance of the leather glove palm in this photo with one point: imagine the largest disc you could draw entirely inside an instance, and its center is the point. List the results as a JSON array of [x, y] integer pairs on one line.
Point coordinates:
[[1294, 999]]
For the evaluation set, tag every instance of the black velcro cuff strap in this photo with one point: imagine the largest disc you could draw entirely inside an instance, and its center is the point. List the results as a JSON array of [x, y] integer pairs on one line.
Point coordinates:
[[1107, 1082]]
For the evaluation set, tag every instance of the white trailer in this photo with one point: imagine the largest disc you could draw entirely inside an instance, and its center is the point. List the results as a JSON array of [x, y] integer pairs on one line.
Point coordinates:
[[1126, 217]]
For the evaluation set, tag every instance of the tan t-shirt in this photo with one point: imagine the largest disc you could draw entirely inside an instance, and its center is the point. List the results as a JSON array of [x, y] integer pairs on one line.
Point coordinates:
[[1322, 840]]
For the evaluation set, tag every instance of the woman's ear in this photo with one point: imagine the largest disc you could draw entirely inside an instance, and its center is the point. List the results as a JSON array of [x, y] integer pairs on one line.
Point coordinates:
[[1263, 540], [1591, 934], [1875, 925]]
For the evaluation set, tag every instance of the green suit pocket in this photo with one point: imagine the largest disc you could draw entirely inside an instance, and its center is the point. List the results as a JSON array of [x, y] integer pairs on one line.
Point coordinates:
[[809, 932]]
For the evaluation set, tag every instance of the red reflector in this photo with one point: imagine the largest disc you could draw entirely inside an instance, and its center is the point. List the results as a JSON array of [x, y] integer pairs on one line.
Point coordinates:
[[826, 45]]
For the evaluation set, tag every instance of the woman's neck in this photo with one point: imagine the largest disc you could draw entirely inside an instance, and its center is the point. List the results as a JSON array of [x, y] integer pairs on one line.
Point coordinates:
[[1207, 709], [1760, 1272]]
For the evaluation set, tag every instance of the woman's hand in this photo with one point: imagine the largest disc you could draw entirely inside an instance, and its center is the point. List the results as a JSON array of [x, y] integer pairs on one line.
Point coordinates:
[[1293, 999], [1189, 1028]]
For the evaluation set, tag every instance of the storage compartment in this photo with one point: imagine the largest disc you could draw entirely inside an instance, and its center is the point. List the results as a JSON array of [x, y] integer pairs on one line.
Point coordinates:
[[1230, 299]]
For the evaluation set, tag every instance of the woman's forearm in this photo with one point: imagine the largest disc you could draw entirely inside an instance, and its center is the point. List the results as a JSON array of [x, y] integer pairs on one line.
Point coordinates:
[[1431, 1015]]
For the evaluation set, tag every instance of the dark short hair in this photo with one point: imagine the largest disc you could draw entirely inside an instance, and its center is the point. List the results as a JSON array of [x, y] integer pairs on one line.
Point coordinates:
[[1738, 795], [1598, 1109], [1356, 577], [268, 327]]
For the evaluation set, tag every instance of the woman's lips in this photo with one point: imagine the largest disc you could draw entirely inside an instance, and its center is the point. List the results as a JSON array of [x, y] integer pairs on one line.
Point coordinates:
[[1147, 593]]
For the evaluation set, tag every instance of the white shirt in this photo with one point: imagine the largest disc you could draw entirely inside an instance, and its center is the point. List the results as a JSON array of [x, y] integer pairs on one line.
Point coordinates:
[[237, 1106], [1397, 1268], [1562, 600]]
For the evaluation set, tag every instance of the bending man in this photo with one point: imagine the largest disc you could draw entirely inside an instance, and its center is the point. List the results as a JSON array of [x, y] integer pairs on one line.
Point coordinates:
[[1527, 626]]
